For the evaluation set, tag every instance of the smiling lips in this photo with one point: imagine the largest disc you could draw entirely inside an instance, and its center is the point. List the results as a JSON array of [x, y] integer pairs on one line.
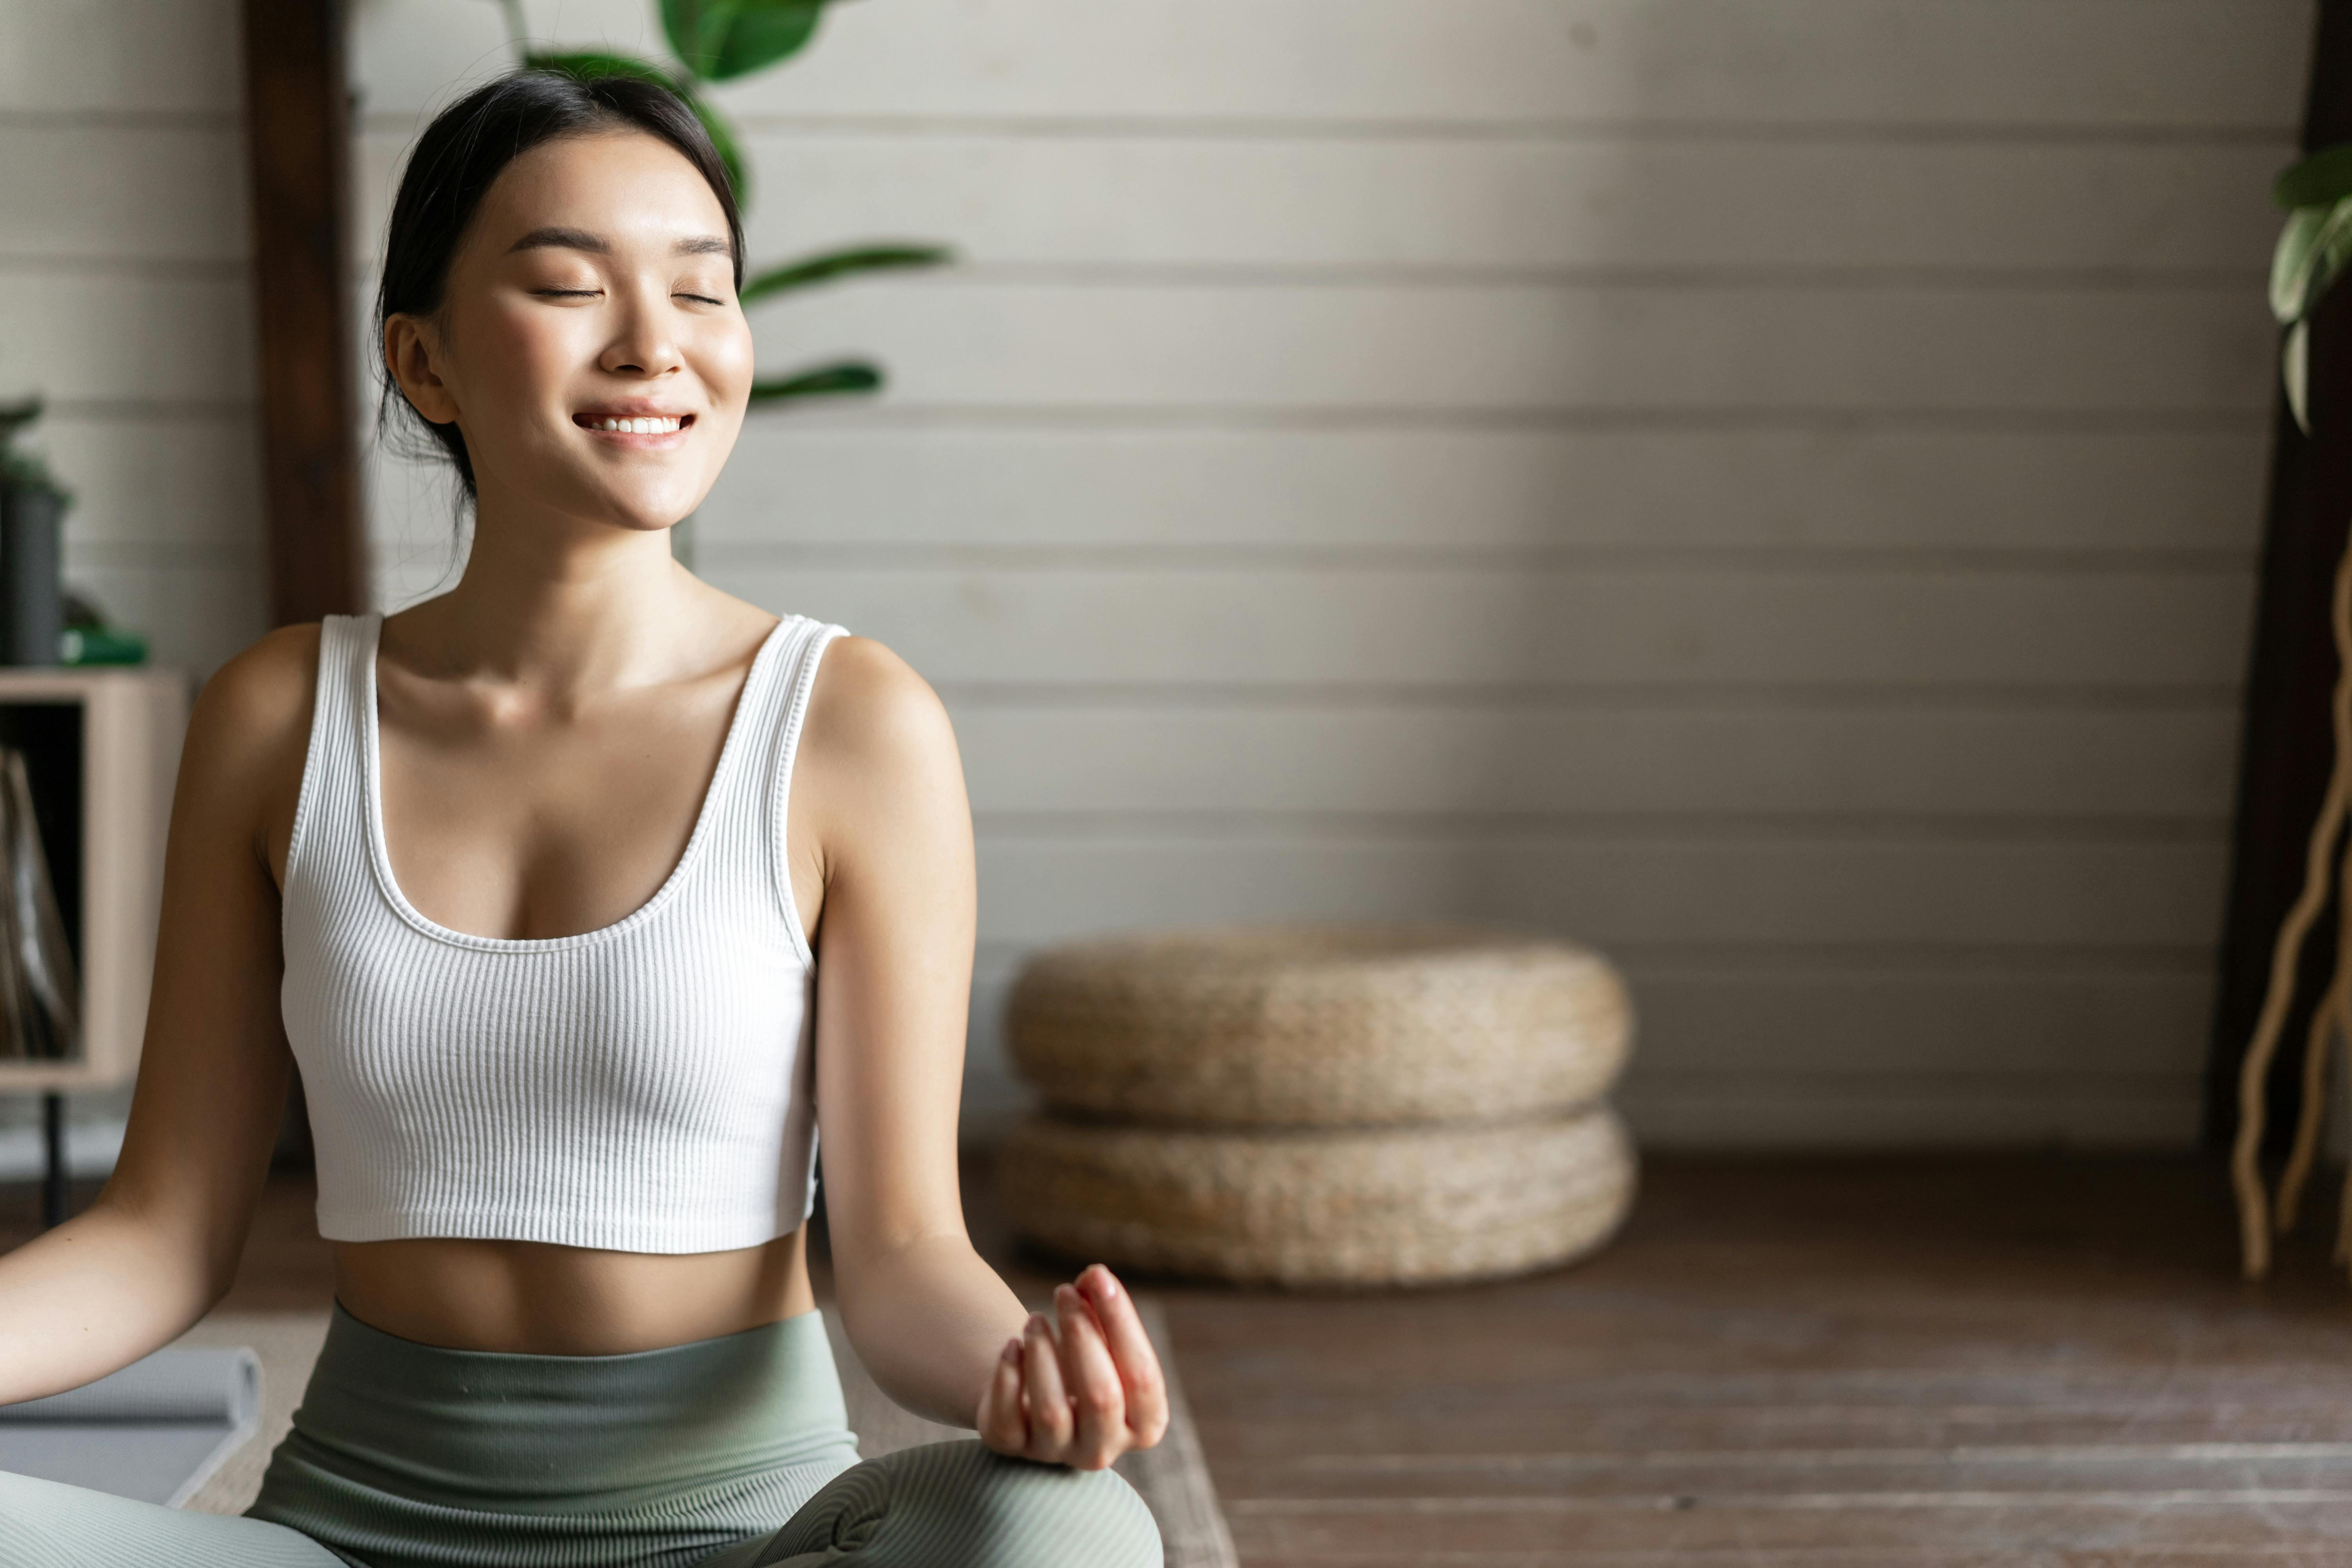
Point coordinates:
[[656, 425]]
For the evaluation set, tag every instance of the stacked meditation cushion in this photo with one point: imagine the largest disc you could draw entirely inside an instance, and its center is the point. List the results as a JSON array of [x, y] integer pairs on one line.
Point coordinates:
[[1330, 1105]]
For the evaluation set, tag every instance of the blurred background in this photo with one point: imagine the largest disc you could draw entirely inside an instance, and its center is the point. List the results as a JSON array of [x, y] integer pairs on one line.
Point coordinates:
[[1773, 488]]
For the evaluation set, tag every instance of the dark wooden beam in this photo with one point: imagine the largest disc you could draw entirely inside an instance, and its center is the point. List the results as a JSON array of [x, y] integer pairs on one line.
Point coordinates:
[[2288, 745], [298, 133], [298, 142]]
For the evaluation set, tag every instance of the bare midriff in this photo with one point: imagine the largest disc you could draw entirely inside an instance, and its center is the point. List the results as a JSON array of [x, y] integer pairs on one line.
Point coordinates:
[[537, 1298]]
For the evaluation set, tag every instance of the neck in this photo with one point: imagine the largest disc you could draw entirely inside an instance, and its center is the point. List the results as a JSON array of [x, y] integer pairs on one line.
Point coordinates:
[[561, 603]]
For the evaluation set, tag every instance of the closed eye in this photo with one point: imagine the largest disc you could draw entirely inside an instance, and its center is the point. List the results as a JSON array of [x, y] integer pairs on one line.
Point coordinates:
[[704, 298], [569, 293]]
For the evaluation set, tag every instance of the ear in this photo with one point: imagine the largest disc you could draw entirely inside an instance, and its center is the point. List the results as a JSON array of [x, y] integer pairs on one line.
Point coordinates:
[[409, 346]]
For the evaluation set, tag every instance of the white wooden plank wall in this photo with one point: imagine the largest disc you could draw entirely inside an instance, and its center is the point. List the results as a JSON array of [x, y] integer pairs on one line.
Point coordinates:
[[125, 299], [1769, 487]]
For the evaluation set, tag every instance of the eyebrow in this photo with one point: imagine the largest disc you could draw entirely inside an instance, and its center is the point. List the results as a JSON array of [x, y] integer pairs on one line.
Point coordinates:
[[596, 244]]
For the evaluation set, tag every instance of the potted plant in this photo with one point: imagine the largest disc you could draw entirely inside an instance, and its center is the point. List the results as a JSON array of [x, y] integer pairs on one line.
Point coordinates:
[[2314, 248]]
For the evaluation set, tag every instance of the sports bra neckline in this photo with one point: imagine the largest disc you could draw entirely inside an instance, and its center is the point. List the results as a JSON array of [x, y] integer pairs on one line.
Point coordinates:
[[378, 852]]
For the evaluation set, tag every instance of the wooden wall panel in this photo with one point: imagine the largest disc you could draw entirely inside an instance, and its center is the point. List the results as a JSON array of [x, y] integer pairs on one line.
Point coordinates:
[[173, 195], [1509, 348], [1437, 627], [2211, 65], [1605, 202], [1623, 757], [146, 60], [2042, 1109], [2130, 1024], [1758, 489], [1888, 890], [181, 482], [141, 337], [2033, 63]]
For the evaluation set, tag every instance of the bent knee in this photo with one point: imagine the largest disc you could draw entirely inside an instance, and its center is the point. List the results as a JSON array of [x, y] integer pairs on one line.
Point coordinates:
[[32, 1512], [1011, 1513]]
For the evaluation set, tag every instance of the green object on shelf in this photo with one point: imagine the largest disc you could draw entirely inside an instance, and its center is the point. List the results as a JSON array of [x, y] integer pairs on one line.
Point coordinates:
[[88, 639], [100, 644]]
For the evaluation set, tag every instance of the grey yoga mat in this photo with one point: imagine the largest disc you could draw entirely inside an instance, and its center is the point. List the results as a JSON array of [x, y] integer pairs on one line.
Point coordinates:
[[154, 1431]]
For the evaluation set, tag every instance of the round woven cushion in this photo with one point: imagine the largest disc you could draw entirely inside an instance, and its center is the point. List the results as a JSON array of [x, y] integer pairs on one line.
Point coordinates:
[[1394, 1206], [1318, 1026]]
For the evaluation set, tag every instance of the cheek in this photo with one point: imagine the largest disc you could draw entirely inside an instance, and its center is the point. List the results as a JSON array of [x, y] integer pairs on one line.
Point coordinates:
[[527, 355], [723, 358]]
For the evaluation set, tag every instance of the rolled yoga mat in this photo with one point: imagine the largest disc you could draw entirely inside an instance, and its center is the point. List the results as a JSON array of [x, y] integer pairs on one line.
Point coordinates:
[[154, 1431]]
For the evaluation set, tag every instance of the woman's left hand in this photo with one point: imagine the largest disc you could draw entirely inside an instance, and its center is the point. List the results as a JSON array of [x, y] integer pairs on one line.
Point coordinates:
[[1080, 1394]]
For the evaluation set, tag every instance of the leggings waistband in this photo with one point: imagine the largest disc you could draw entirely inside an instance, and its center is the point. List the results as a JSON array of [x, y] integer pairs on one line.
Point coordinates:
[[458, 1424]]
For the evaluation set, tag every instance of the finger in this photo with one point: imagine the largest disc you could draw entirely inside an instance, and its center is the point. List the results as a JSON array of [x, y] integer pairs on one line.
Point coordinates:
[[1049, 1406], [1130, 1352], [1100, 1402], [1002, 1425]]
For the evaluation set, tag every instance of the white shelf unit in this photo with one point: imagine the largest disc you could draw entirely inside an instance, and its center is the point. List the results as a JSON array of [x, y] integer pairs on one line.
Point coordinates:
[[102, 748]]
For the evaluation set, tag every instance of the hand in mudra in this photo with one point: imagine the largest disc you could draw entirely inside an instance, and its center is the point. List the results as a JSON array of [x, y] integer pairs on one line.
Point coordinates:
[[1080, 1394]]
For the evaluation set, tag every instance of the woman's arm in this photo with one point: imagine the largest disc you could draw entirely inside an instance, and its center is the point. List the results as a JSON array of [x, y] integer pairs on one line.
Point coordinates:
[[942, 1333], [161, 1242]]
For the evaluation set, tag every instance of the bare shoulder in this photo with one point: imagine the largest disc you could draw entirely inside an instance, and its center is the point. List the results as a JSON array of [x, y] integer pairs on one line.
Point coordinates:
[[249, 732], [868, 707], [878, 766], [263, 694]]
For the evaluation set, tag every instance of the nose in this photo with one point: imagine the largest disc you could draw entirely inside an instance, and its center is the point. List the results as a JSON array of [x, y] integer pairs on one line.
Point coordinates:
[[642, 342]]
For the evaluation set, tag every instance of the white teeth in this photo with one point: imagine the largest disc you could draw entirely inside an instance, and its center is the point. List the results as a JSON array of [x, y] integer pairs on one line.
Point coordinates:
[[661, 426]]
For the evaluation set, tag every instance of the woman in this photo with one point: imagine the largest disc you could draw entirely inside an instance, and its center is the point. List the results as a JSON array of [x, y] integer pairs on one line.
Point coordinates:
[[528, 878]]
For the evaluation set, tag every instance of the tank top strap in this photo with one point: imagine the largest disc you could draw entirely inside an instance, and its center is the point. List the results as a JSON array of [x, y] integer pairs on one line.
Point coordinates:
[[787, 701], [328, 820]]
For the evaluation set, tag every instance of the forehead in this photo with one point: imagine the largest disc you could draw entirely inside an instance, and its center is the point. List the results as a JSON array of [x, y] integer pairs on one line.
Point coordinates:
[[628, 187]]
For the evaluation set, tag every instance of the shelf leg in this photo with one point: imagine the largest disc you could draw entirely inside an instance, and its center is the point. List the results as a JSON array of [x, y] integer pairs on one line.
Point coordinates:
[[53, 1139]]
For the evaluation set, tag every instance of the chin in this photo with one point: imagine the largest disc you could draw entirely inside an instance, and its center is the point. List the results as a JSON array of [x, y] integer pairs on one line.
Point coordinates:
[[649, 515]]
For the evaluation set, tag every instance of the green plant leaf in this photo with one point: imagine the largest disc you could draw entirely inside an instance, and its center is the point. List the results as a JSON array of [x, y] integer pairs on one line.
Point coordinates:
[[2321, 180], [594, 65], [2294, 370], [828, 265], [2335, 253], [2290, 260], [849, 375], [2312, 249], [694, 28], [719, 39]]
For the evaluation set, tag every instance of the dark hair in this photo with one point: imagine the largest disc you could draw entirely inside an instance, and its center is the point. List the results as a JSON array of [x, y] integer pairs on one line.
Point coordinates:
[[465, 149]]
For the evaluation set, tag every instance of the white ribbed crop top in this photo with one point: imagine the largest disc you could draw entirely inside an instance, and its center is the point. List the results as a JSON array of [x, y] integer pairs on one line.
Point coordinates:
[[643, 1087]]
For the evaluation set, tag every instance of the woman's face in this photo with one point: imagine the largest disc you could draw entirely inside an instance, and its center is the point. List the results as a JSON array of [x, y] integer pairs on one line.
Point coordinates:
[[589, 343]]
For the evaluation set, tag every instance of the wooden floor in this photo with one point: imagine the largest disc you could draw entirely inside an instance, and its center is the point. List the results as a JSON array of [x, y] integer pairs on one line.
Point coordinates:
[[1914, 1362]]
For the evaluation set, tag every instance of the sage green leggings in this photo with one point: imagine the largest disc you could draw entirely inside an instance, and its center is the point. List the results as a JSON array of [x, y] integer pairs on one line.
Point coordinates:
[[726, 1453]]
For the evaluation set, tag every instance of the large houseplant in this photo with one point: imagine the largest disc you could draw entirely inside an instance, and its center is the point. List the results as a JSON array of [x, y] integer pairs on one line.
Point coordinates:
[[2314, 250]]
